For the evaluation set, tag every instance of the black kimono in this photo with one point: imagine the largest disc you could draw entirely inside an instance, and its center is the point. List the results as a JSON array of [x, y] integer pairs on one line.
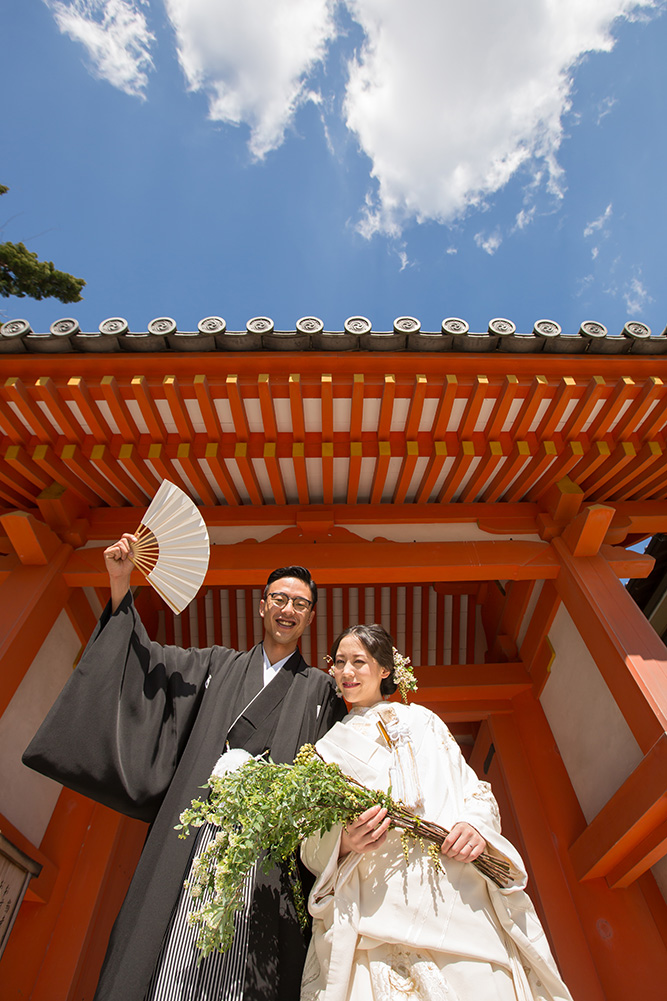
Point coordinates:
[[139, 727]]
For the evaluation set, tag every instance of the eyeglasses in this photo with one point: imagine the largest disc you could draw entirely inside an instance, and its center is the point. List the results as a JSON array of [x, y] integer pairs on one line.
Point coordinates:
[[281, 600]]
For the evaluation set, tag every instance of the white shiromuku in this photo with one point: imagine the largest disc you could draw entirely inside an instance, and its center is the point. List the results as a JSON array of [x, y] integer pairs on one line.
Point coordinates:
[[384, 928]]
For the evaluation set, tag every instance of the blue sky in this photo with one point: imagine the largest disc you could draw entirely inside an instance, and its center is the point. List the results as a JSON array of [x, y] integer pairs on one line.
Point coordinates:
[[307, 157]]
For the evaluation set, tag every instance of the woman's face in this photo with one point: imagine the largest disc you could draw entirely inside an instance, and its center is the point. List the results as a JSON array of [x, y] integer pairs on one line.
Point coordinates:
[[357, 673]]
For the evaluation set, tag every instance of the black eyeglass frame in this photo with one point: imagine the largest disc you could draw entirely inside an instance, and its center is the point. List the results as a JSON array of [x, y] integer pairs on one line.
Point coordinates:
[[288, 597]]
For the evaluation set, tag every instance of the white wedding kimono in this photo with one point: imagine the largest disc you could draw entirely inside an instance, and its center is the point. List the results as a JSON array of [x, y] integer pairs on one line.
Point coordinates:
[[384, 928]]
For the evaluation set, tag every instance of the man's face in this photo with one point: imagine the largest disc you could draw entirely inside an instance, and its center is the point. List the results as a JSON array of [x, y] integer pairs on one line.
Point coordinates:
[[285, 625]]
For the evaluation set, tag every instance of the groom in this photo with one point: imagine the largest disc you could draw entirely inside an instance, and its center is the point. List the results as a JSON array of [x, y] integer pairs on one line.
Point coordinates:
[[139, 727]]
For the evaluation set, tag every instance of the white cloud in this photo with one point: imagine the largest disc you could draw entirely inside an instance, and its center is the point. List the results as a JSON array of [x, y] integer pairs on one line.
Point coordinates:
[[450, 100], [252, 58], [524, 218], [116, 36], [452, 250], [600, 222], [489, 243], [594, 252], [636, 296]]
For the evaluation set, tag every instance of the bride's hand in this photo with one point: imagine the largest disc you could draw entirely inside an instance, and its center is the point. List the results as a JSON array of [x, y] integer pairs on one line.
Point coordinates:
[[463, 843], [368, 831]]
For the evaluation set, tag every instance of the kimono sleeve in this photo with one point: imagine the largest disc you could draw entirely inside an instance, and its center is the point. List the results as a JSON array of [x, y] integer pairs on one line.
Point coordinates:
[[477, 805], [118, 728]]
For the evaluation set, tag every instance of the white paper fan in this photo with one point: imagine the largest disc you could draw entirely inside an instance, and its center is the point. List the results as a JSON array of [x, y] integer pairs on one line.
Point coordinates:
[[172, 550]]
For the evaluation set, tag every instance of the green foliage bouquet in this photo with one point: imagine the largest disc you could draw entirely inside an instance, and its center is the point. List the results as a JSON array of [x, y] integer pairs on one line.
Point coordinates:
[[264, 810]]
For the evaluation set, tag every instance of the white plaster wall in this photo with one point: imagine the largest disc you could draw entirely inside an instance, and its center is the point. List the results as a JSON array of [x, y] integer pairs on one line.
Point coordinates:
[[595, 742], [27, 799]]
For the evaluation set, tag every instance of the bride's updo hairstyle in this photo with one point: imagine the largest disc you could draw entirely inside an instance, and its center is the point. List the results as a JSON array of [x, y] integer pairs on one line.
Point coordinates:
[[378, 644]]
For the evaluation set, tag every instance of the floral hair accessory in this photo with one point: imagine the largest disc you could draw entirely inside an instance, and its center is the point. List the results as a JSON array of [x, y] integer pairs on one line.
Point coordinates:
[[329, 660], [403, 675]]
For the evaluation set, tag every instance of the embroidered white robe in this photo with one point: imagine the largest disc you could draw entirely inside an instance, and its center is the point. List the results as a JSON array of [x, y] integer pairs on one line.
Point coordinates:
[[366, 901]]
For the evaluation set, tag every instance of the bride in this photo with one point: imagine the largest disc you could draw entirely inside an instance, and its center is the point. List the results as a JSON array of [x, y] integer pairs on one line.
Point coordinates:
[[388, 925]]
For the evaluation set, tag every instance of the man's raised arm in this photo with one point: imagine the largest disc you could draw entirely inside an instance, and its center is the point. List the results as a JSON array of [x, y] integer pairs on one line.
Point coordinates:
[[119, 567]]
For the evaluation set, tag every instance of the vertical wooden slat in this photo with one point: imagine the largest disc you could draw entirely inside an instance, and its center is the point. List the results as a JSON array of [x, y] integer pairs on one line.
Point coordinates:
[[76, 461], [443, 413], [249, 618], [590, 398], [217, 616], [456, 629], [150, 413], [273, 472], [649, 394], [80, 394], [326, 395], [17, 394], [169, 635], [625, 483], [327, 472], [460, 467], [655, 422], [440, 627], [387, 407], [357, 406], [296, 407], [354, 472], [483, 473], [119, 410], [179, 411], [207, 408], [202, 638], [407, 471], [432, 472], [186, 635], [409, 621], [479, 391], [220, 473], [236, 406], [423, 646], [44, 457], [266, 406], [393, 612], [416, 407], [517, 458], [381, 469], [130, 459], [233, 619], [346, 608], [313, 642], [377, 604], [330, 617], [539, 464], [10, 425], [501, 408], [300, 474], [564, 392], [596, 455], [560, 467], [471, 631], [50, 395], [18, 459], [536, 393], [247, 473], [193, 471], [620, 394], [110, 467], [622, 455]]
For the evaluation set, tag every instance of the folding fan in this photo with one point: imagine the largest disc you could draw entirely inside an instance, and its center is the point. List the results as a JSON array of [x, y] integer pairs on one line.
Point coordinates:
[[172, 548]]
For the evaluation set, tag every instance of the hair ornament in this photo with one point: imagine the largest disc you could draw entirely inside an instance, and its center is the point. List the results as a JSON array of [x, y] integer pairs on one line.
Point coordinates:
[[403, 674], [329, 660]]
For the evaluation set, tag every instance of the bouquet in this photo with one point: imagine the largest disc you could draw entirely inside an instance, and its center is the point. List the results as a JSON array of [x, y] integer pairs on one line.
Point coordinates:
[[264, 810]]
